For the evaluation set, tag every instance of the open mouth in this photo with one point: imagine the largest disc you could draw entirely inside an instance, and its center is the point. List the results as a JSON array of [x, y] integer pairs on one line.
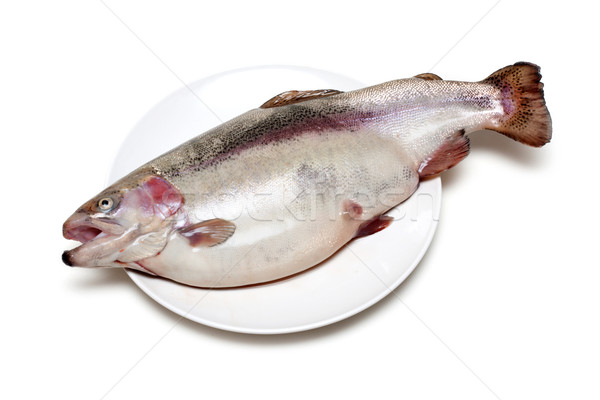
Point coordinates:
[[99, 238], [82, 233], [84, 229]]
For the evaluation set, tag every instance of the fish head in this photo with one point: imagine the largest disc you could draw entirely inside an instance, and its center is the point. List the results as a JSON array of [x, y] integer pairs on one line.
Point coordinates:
[[126, 222]]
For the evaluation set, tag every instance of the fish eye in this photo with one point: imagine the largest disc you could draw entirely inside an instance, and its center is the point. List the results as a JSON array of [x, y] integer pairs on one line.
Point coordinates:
[[105, 204]]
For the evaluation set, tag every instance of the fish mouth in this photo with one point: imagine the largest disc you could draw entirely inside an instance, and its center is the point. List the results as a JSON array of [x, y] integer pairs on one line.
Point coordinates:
[[93, 233], [84, 229], [82, 233]]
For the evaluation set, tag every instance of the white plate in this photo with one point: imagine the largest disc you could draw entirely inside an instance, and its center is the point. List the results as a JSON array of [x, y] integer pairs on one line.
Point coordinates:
[[355, 278]]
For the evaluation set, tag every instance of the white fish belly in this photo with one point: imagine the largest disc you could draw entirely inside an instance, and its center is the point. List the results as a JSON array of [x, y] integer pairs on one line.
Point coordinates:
[[288, 200]]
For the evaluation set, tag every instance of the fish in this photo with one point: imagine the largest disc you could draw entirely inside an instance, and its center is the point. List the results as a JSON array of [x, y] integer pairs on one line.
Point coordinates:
[[282, 187]]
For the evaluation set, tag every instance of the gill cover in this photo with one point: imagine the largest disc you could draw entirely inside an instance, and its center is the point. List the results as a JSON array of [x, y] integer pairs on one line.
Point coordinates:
[[160, 200]]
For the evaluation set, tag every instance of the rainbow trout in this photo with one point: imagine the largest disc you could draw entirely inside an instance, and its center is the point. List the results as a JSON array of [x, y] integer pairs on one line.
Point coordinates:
[[282, 187]]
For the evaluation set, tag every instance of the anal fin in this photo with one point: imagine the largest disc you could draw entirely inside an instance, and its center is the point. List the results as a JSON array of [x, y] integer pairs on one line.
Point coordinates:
[[450, 153]]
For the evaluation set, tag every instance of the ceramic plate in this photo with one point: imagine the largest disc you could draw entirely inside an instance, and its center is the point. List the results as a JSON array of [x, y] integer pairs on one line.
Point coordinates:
[[355, 278]]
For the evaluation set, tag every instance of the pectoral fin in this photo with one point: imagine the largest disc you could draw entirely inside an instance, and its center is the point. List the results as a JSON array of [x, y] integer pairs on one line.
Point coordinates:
[[208, 233]]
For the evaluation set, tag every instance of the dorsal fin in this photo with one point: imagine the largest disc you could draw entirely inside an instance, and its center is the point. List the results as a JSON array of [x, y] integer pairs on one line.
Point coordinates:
[[428, 76], [297, 96]]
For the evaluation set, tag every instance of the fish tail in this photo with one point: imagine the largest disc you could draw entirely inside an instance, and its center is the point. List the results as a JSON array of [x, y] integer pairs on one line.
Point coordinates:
[[526, 118]]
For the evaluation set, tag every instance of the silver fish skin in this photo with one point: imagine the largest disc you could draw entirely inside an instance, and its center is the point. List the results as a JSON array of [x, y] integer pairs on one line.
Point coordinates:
[[282, 187]]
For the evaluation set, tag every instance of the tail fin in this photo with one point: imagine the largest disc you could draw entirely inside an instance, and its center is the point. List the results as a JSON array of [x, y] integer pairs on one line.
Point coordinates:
[[526, 117]]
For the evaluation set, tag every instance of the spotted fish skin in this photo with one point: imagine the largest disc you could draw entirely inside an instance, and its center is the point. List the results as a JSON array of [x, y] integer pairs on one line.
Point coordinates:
[[282, 187]]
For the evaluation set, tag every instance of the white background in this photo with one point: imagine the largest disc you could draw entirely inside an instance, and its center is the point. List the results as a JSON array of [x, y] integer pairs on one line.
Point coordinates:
[[504, 305]]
